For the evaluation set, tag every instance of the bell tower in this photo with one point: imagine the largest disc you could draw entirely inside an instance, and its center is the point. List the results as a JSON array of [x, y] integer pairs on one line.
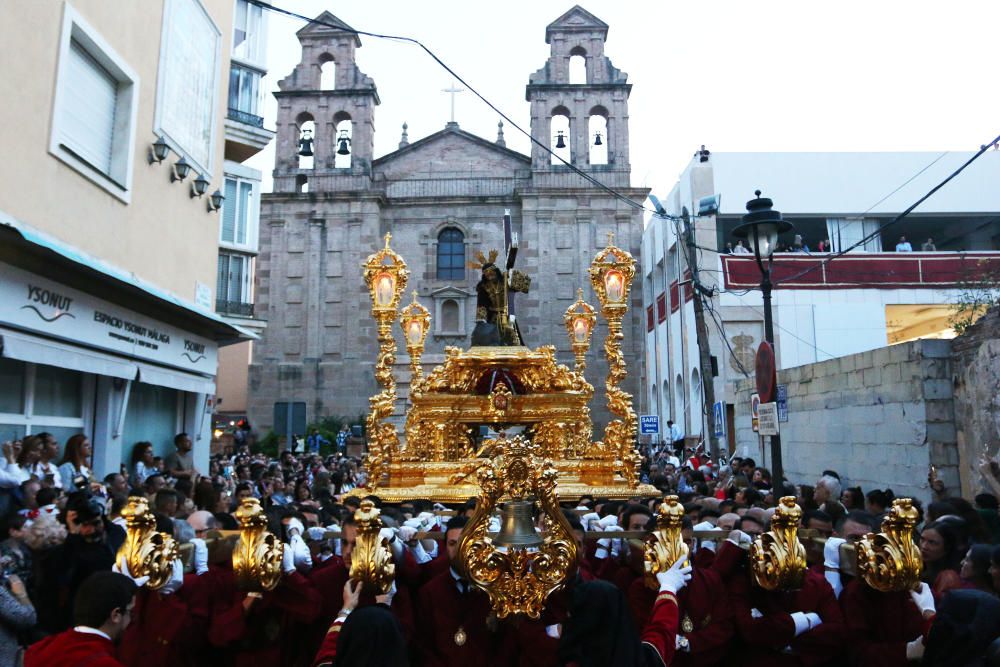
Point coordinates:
[[579, 101], [326, 131]]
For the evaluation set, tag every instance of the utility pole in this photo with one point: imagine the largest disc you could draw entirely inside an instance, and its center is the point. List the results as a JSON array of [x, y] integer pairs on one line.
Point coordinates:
[[701, 330]]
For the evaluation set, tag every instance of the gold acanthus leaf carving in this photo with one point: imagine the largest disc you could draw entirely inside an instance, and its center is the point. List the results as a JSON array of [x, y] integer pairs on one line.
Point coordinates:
[[371, 559], [257, 554], [777, 558], [667, 545], [890, 560], [145, 552]]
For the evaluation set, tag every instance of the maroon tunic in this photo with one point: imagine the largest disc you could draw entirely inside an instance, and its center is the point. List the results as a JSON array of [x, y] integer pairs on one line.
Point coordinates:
[[443, 609], [881, 624], [71, 649]]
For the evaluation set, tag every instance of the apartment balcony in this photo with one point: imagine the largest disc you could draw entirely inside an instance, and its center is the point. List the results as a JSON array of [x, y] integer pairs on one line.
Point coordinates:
[[245, 133], [234, 308]]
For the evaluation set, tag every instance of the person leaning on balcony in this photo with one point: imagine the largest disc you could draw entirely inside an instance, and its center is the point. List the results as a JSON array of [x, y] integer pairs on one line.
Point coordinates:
[[740, 249], [928, 245], [903, 245]]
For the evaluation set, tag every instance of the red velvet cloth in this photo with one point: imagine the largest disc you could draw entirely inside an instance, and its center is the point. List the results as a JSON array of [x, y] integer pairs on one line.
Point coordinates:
[[705, 602], [163, 632], [880, 624], [768, 637], [71, 649]]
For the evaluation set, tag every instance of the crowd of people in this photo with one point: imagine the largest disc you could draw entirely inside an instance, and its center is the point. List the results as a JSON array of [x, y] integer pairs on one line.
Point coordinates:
[[66, 600]]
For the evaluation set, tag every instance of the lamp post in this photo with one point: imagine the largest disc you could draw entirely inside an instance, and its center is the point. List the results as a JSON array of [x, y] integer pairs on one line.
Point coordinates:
[[415, 320], [761, 227], [580, 320], [611, 275], [385, 275]]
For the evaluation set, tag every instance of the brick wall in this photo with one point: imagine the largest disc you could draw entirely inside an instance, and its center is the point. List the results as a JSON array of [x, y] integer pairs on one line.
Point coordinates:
[[879, 418]]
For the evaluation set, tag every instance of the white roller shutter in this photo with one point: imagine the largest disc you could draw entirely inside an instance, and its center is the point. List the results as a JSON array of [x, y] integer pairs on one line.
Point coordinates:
[[87, 109]]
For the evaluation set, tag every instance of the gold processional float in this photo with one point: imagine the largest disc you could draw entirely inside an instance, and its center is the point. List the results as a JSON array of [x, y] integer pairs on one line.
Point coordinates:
[[552, 459]]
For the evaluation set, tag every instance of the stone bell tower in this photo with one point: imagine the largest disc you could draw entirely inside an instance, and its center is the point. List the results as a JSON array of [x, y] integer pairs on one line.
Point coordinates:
[[328, 99], [579, 84]]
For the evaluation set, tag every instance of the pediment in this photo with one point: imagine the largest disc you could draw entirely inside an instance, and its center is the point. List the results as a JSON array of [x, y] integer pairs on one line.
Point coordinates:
[[576, 19], [325, 24], [450, 153], [450, 292]]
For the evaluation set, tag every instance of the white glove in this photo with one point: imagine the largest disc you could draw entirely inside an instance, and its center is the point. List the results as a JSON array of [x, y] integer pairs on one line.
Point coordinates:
[[924, 599], [756, 613], [609, 520], [287, 559], [386, 599], [705, 544], [395, 546], [419, 553], [429, 520], [739, 538], [416, 524], [804, 622], [300, 553], [139, 581], [176, 579], [333, 528], [915, 649], [831, 552], [438, 507], [494, 525], [406, 533], [200, 556], [295, 527], [675, 578], [316, 533], [616, 545], [603, 548], [589, 519]]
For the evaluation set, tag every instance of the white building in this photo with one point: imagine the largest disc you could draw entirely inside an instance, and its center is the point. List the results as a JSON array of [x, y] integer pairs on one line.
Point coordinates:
[[870, 298]]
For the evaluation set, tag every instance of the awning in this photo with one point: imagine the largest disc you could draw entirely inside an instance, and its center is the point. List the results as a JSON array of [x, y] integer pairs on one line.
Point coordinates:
[[174, 379], [35, 350]]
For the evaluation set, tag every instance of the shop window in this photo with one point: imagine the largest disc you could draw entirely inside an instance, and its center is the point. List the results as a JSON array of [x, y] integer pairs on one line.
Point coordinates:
[[151, 415], [58, 392]]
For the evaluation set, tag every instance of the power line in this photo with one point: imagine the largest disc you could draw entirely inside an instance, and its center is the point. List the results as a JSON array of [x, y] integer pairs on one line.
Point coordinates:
[[410, 40]]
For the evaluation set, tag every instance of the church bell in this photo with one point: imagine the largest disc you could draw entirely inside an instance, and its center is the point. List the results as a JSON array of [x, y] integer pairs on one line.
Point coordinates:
[[560, 140], [343, 144], [597, 139], [306, 144], [517, 528]]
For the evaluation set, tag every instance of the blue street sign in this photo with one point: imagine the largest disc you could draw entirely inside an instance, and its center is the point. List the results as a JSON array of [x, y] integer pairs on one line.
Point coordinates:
[[782, 401], [719, 418], [649, 424]]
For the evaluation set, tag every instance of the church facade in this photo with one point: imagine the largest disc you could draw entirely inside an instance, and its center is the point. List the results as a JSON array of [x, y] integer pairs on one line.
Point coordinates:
[[442, 198]]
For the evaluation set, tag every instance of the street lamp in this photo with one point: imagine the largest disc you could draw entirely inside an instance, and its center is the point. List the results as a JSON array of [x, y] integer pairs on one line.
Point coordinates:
[[761, 228], [580, 320], [415, 321]]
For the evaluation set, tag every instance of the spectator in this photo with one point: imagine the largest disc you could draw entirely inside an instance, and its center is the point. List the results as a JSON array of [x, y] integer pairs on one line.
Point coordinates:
[[741, 249], [823, 246], [941, 552], [975, 569], [852, 498], [903, 245], [180, 463], [76, 476], [44, 469], [928, 245], [17, 614], [141, 465], [315, 441]]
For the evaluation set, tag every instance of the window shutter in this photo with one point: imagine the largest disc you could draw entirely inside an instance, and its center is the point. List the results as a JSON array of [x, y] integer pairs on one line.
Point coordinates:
[[87, 109], [222, 280], [229, 206], [246, 189]]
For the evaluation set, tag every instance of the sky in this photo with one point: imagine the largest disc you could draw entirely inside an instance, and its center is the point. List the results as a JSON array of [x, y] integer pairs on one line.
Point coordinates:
[[734, 75]]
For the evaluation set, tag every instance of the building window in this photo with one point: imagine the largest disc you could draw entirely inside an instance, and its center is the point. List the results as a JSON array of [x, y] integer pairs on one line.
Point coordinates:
[[451, 255], [96, 98], [187, 86], [36, 398], [239, 214], [232, 294], [248, 32], [449, 316], [244, 95]]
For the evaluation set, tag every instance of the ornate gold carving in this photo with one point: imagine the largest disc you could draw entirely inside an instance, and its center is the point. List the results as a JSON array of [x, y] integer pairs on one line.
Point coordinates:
[[890, 560], [667, 545], [257, 554], [777, 558], [385, 275], [580, 320], [611, 275], [518, 581], [146, 552], [415, 321], [371, 560], [519, 282]]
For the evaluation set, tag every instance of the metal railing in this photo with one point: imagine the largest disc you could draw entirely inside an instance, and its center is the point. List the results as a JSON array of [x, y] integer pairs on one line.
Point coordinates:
[[238, 308], [245, 117]]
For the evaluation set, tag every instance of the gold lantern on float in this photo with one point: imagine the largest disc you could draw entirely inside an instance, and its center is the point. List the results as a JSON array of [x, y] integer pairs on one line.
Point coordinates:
[[611, 275], [520, 568], [145, 552], [386, 276], [257, 554], [777, 558], [371, 559], [415, 321], [890, 560], [667, 545], [580, 320]]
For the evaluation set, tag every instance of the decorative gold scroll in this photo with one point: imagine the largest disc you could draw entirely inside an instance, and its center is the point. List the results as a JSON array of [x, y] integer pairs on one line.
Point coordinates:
[[517, 580], [371, 559], [667, 545], [890, 560], [777, 558], [257, 554], [146, 552]]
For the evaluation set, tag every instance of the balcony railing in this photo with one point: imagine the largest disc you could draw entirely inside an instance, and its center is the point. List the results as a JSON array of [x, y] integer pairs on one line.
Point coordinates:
[[245, 117], [237, 308]]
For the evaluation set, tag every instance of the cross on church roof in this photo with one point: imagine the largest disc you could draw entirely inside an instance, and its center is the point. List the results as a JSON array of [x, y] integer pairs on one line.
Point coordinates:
[[454, 90]]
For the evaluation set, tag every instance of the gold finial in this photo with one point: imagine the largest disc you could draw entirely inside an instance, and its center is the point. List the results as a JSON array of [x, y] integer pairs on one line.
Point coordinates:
[[387, 237], [414, 296], [611, 238], [579, 294]]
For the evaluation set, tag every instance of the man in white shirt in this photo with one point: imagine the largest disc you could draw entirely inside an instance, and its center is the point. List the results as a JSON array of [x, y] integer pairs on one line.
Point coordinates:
[[676, 437], [903, 245]]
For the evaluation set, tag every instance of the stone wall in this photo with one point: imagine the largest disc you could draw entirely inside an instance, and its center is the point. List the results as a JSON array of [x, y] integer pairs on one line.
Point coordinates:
[[879, 418], [976, 370]]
